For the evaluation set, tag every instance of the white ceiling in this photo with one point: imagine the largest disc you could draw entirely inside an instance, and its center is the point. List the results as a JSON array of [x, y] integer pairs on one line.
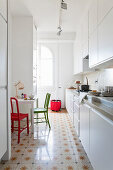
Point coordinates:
[[46, 13]]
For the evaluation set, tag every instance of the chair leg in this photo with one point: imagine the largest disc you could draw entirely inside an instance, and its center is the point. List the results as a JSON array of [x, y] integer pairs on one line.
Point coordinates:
[[45, 118], [19, 131], [48, 121], [27, 125]]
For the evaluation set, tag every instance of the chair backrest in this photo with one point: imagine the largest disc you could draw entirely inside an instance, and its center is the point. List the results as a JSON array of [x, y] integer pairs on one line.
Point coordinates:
[[47, 99], [17, 106]]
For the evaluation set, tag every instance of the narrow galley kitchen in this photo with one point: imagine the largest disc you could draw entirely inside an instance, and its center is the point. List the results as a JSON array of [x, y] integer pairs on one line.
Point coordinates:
[[56, 86]]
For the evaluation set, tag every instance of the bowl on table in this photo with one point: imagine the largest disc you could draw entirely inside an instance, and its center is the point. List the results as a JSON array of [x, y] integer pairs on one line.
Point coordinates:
[[31, 97]]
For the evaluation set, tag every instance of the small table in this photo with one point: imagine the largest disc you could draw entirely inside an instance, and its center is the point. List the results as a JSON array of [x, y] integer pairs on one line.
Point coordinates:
[[31, 103]]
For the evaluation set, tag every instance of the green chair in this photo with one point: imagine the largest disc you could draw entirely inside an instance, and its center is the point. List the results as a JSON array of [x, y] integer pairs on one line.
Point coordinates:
[[44, 111]]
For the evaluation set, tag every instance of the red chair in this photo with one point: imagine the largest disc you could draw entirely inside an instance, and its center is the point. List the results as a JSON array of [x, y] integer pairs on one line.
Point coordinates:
[[18, 117]]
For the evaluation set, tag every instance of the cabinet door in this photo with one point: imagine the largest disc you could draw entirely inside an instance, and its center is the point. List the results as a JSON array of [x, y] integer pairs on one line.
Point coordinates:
[[105, 38], [93, 17], [76, 117], [93, 49], [3, 8], [103, 8], [75, 58], [101, 141], [3, 52], [3, 122], [84, 126], [85, 29]]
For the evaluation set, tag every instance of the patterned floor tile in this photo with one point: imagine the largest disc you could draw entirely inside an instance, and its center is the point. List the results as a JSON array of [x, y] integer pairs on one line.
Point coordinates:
[[58, 148]]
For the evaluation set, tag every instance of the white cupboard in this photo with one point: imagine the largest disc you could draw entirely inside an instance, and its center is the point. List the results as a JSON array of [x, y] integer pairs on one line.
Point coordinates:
[[3, 121], [69, 103], [85, 36], [101, 141], [76, 116], [103, 8], [93, 49], [81, 46], [3, 52], [85, 126], [93, 17], [3, 8], [105, 38], [3, 78]]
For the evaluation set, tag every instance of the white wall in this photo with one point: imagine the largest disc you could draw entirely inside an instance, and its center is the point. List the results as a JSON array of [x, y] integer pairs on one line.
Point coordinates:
[[104, 78], [22, 66]]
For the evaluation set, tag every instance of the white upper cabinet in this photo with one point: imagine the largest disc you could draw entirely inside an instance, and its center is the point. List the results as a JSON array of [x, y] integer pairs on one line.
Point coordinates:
[[105, 38], [93, 49], [93, 17], [104, 6], [3, 8], [85, 36], [3, 52]]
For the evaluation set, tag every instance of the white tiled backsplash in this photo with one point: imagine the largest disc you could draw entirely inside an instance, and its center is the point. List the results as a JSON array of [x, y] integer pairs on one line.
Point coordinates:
[[99, 79]]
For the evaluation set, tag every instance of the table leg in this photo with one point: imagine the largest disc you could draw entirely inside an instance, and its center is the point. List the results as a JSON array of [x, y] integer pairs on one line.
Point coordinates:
[[32, 118]]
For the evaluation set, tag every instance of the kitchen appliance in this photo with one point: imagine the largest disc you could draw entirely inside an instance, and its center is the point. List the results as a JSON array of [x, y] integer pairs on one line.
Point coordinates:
[[84, 88]]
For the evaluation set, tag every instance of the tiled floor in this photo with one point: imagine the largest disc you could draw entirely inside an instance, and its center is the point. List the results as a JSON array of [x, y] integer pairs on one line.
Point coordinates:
[[57, 149]]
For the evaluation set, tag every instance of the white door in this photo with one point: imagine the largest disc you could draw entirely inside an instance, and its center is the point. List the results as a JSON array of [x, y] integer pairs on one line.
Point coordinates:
[[54, 70], [46, 72], [3, 122], [3, 52]]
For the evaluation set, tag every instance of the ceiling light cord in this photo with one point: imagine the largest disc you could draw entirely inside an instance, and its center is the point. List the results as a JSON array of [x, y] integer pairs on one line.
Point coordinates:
[[64, 7]]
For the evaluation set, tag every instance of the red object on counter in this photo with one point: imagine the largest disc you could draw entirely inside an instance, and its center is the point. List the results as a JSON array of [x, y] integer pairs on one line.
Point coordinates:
[[55, 105]]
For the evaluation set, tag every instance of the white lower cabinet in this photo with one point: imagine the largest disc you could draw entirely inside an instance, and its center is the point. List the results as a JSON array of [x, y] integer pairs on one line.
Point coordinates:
[[85, 126], [3, 122], [69, 103], [96, 135], [101, 142], [76, 117]]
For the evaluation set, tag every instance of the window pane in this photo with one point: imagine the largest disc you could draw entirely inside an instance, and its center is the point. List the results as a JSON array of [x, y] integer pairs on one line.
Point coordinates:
[[45, 67], [46, 77], [45, 53]]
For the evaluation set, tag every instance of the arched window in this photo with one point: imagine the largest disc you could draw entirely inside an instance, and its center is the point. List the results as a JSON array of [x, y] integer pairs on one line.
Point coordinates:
[[45, 67]]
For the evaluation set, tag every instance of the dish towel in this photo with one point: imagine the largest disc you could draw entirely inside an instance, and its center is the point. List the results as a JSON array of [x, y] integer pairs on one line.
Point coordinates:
[[82, 96]]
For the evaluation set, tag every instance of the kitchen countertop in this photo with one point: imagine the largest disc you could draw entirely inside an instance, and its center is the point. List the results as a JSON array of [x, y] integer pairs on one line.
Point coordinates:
[[104, 105]]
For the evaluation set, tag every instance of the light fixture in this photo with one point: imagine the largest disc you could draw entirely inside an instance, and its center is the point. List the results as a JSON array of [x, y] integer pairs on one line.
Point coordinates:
[[19, 86], [63, 5], [59, 31]]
